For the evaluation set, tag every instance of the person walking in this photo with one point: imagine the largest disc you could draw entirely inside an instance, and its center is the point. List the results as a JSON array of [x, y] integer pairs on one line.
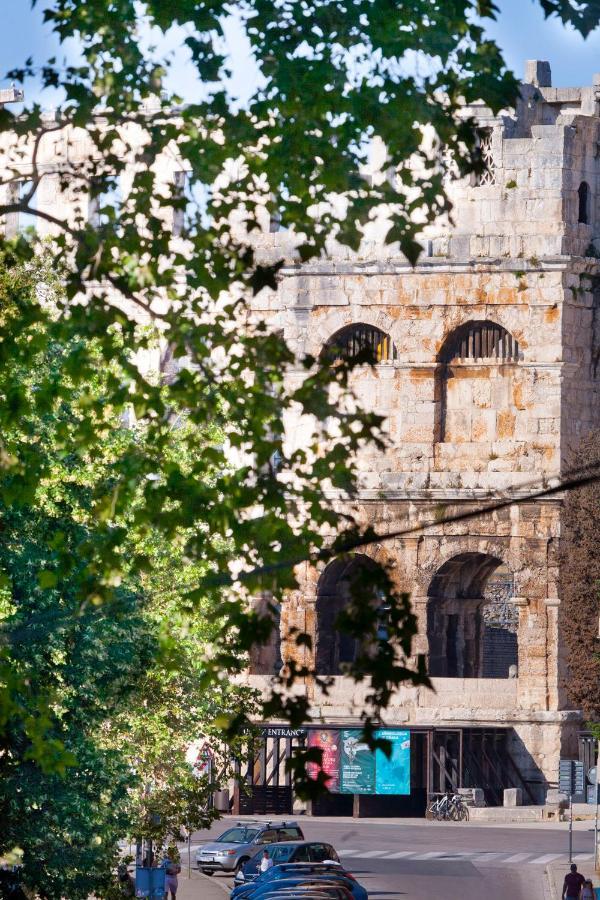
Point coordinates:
[[266, 861], [587, 891], [172, 869], [572, 884]]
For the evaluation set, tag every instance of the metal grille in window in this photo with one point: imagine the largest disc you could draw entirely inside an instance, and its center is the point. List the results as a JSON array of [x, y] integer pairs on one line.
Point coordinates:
[[488, 174], [481, 340], [499, 611], [361, 343]]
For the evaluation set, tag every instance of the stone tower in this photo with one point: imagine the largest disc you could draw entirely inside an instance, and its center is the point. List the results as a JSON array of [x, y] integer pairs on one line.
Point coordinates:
[[487, 377]]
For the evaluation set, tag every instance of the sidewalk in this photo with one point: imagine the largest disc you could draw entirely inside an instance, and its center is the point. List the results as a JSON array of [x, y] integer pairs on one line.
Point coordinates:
[[200, 887], [556, 876]]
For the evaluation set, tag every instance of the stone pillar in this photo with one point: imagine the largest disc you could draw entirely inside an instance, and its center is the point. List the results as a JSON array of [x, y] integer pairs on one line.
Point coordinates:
[[552, 658]]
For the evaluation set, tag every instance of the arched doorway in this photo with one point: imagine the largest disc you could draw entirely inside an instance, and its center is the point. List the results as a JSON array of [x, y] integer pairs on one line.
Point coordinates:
[[350, 578], [471, 622]]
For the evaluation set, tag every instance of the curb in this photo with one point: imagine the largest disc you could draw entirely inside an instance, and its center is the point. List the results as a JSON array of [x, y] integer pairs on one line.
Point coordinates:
[[549, 886]]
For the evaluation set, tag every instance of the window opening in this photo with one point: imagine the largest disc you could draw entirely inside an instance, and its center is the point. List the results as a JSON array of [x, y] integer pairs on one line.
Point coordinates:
[[480, 340], [360, 343], [488, 173], [583, 194], [472, 623]]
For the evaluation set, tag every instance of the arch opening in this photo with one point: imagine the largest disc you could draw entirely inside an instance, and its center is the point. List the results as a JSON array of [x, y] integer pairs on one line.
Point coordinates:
[[474, 382], [472, 624], [359, 343], [344, 581]]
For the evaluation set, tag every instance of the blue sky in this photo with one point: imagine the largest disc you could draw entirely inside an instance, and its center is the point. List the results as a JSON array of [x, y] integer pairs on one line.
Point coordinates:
[[520, 30]]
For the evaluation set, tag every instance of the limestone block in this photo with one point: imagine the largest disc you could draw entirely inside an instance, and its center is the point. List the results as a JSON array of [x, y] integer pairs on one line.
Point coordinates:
[[513, 797]]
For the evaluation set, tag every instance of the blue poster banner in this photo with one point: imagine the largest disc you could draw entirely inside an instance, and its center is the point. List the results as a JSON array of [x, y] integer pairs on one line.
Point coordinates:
[[357, 764], [392, 774]]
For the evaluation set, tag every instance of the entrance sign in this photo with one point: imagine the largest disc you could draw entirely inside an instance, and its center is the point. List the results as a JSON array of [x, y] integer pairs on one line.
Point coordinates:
[[281, 731], [392, 774], [357, 764], [328, 741]]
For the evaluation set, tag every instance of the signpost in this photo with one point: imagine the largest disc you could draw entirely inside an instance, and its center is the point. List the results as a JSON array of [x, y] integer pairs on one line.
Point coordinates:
[[571, 781]]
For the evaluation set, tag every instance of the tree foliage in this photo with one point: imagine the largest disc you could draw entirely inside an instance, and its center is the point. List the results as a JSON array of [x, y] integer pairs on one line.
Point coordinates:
[[334, 75], [107, 694], [579, 611]]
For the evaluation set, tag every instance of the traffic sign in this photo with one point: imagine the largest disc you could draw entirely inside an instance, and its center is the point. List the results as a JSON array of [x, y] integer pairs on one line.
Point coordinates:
[[571, 778]]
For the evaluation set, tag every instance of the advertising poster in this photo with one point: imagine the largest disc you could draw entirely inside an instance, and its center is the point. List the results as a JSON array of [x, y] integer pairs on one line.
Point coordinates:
[[393, 772], [357, 764], [328, 742]]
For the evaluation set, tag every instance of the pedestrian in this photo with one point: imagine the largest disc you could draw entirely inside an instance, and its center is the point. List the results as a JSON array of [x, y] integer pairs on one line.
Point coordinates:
[[266, 861], [125, 881], [172, 869], [587, 891], [572, 884]]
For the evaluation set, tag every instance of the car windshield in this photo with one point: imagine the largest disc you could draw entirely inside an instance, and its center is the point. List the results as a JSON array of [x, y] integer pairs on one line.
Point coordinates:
[[238, 835]]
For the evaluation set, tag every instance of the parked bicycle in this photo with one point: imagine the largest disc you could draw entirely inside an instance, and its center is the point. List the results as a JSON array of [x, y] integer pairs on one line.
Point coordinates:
[[448, 807]]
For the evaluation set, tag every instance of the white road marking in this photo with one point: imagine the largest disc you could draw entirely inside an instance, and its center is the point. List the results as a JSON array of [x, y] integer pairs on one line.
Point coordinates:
[[518, 857], [542, 860], [582, 857], [431, 855], [400, 854], [484, 857], [347, 852], [369, 854]]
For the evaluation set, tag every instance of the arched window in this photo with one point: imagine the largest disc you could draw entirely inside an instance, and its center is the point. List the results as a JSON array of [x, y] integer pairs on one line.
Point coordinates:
[[583, 194], [480, 340], [473, 388], [471, 622], [360, 343], [345, 580]]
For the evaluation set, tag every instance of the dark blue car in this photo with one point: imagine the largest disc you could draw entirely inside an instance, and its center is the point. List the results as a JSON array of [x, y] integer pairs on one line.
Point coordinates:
[[287, 852], [287, 876]]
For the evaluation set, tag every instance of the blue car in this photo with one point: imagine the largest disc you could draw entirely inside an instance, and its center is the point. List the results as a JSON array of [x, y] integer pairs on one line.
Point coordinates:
[[287, 852], [288, 876]]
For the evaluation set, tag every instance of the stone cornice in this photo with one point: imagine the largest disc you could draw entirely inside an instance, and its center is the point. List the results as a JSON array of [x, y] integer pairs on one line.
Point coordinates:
[[441, 265], [438, 495]]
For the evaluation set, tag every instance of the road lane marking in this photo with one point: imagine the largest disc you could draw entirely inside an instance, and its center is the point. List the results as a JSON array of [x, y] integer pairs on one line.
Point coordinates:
[[542, 860], [431, 855], [583, 857], [368, 854], [518, 857], [400, 854], [347, 852], [484, 857]]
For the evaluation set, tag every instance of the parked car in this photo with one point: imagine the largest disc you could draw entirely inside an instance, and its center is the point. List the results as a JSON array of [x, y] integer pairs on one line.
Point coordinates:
[[232, 850], [288, 852], [329, 884], [317, 891], [288, 877]]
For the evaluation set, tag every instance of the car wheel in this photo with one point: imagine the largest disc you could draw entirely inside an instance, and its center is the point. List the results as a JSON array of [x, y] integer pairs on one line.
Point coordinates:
[[208, 872], [240, 865]]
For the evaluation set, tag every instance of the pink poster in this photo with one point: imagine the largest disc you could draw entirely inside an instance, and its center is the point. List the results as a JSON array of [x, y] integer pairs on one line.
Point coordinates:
[[328, 742]]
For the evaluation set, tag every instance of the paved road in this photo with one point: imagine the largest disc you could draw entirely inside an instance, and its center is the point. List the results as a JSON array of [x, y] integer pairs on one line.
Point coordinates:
[[421, 860]]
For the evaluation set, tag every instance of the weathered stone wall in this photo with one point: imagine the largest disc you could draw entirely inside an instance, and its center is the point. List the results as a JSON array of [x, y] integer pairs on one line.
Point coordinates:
[[516, 255]]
